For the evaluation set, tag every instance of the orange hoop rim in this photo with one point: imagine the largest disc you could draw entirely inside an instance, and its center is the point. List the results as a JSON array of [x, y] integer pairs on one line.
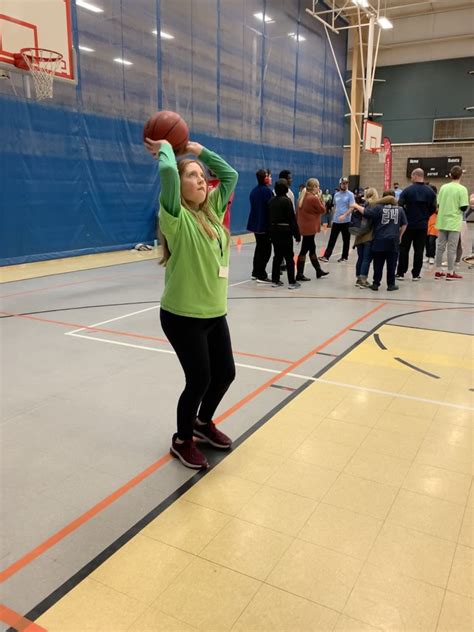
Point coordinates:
[[38, 58]]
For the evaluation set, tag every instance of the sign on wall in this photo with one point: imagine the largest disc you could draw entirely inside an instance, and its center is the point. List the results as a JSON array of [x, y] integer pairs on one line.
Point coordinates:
[[434, 167]]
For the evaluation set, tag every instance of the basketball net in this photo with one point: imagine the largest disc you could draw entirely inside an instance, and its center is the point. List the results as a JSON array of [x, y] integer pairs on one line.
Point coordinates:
[[43, 64]]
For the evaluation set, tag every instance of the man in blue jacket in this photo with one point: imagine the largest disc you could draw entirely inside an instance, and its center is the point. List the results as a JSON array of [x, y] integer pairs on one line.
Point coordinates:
[[258, 224], [419, 202]]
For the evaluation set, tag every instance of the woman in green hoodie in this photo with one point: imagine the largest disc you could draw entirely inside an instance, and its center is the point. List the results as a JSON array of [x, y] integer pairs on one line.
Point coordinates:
[[194, 302]]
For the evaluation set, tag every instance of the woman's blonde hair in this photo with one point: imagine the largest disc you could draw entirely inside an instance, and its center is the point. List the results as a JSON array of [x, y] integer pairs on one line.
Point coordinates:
[[371, 196], [311, 185], [203, 215]]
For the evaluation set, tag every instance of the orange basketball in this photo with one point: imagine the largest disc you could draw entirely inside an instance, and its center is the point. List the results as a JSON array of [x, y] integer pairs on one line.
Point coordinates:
[[167, 125]]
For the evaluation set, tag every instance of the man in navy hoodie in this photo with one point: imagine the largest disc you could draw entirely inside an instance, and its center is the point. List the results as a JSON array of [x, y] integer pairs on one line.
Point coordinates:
[[389, 225], [419, 202], [258, 224]]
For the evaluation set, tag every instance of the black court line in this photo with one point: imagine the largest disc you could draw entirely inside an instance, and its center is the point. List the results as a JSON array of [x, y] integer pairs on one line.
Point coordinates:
[[362, 331], [214, 459], [416, 368], [331, 355], [379, 342], [284, 388], [462, 305]]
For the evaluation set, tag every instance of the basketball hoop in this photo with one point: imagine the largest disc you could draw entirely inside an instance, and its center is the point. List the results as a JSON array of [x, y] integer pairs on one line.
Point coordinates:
[[43, 64]]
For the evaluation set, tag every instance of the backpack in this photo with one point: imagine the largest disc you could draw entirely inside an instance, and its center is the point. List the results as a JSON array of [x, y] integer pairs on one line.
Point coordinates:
[[359, 224]]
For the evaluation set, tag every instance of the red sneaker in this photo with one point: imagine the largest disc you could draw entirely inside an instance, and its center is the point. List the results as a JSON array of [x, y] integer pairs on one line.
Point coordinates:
[[451, 277], [439, 275], [211, 435], [188, 454]]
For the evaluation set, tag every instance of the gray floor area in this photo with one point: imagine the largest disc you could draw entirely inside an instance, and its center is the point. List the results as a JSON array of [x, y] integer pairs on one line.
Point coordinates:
[[83, 414]]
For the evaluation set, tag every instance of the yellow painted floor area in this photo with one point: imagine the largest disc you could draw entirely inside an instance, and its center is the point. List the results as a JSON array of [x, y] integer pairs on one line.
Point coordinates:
[[349, 510]]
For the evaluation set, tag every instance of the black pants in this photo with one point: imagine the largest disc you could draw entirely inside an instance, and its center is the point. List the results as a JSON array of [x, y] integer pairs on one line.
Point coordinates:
[[431, 246], [204, 350], [263, 252], [346, 239], [283, 250], [417, 237], [379, 259], [308, 245]]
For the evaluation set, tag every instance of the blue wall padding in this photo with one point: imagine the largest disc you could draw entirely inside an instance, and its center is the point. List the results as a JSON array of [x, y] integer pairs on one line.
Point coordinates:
[[75, 177]]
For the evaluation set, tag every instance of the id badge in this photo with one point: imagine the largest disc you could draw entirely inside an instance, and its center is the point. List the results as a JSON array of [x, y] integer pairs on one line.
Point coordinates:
[[223, 272]]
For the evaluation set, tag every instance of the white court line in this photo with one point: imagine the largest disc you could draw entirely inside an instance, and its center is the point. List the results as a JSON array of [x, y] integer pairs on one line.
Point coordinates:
[[111, 320], [141, 311], [296, 375]]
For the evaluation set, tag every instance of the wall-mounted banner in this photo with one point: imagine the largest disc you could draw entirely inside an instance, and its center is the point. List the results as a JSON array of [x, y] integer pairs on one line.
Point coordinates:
[[387, 169]]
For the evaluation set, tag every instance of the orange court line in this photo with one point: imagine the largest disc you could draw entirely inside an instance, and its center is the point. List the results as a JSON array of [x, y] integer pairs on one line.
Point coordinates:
[[296, 364], [18, 622], [75, 524], [72, 526], [128, 334], [53, 287]]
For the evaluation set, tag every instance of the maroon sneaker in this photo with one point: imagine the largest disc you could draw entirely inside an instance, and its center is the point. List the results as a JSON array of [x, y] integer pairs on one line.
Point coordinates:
[[188, 454], [454, 275], [211, 435], [439, 275]]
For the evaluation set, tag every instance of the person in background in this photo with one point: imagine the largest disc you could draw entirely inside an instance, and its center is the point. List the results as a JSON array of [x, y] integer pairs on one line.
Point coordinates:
[[310, 209], [193, 307], [397, 190], [432, 235], [288, 176], [258, 224], [283, 227], [343, 201], [328, 203], [453, 201], [389, 224], [363, 243], [419, 202]]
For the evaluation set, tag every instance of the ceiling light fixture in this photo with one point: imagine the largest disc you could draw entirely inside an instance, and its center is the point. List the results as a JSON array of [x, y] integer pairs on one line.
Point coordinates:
[[361, 3], [86, 49], [163, 34], [264, 17], [384, 23], [125, 62], [89, 6], [298, 38]]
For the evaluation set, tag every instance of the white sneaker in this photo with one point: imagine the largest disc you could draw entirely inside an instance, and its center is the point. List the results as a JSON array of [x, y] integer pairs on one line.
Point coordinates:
[[444, 264], [431, 261], [425, 260]]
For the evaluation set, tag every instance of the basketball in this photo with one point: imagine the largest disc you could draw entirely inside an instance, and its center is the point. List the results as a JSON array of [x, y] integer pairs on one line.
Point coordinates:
[[167, 125]]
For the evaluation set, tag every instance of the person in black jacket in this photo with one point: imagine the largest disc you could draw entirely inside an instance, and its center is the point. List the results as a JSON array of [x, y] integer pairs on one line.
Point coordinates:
[[258, 224], [419, 202], [283, 227]]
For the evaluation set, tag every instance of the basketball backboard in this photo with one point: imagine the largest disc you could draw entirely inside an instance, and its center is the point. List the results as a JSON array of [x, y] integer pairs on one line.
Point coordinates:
[[372, 136], [37, 24]]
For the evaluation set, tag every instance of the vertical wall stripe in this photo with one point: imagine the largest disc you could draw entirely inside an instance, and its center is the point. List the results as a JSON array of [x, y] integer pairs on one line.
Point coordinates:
[[262, 70], [218, 61], [296, 68], [159, 59]]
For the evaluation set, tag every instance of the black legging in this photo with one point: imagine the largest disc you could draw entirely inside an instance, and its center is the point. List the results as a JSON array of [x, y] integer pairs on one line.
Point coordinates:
[[308, 245], [204, 349]]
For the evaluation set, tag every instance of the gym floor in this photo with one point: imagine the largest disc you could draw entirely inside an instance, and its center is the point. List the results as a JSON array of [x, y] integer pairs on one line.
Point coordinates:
[[345, 504]]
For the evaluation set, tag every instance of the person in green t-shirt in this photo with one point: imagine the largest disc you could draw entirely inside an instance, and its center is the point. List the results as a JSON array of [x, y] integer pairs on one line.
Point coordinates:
[[194, 302], [453, 200]]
